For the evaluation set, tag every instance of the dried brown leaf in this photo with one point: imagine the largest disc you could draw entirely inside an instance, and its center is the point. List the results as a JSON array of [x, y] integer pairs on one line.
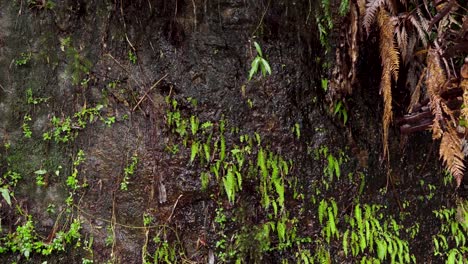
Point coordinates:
[[390, 67], [372, 7], [452, 155]]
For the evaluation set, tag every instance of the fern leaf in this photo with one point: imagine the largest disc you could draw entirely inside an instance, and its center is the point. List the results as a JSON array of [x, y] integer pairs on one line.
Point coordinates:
[[371, 11], [419, 28], [392, 6], [464, 110], [423, 20], [402, 41], [390, 67], [435, 79], [452, 155]]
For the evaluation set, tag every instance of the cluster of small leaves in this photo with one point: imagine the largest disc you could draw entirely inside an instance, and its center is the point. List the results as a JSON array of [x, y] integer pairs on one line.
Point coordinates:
[[224, 166], [259, 62], [7, 182], [26, 241], [332, 168], [25, 127], [65, 129], [34, 100], [129, 170], [23, 59], [450, 243], [369, 234]]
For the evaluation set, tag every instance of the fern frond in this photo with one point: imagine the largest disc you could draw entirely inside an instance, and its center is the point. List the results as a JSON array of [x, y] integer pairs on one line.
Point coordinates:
[[371, 11], [452, 155], [464, 87], [423, 20], [390, 66], [435, 79], [388, 51], [392, 6], [419, 28], [438, 117], [402, 41]]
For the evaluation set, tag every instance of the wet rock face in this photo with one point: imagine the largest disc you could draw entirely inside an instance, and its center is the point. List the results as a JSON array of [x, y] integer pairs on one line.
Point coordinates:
[[202, 48]]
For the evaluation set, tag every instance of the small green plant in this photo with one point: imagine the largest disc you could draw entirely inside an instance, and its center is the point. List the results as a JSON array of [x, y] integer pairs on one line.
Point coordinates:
[[72, 180], [324, 84], [62, 130], [109, 120], [26, 129], [132, 57], [341, 112], [344, 7], [328, 213], [40, 177], [26, 241], [451, 242], [7, 182], [23, 59], [325, 23], [33, 100], [369, 233], [128, 172], [65, 129], [167, 252], [259, 62], [297, 130]]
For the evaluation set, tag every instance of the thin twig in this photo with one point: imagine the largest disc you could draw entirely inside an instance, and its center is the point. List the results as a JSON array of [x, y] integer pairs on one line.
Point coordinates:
[[173, 208], [125, 69], [149, 90], [261, 19]]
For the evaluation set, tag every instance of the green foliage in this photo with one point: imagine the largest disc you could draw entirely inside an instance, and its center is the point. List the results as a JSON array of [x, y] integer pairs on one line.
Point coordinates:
[[369, 234], [40, 177], [332, 169], [33, 100], [324, 23], [297, 130], [341, 112], [344, 7], [26, 129], [328, 213], [129, 170], [259, 62], [451, 243], [324, 84], [7, 182], [26, 241], [132, 57], [23, 59], [72, 180], [65, 129]]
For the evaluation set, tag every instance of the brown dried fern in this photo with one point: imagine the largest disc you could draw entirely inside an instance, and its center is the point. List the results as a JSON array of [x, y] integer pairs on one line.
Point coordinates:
[[452, 155], [372, 7], [435, 79], [390, 66]]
